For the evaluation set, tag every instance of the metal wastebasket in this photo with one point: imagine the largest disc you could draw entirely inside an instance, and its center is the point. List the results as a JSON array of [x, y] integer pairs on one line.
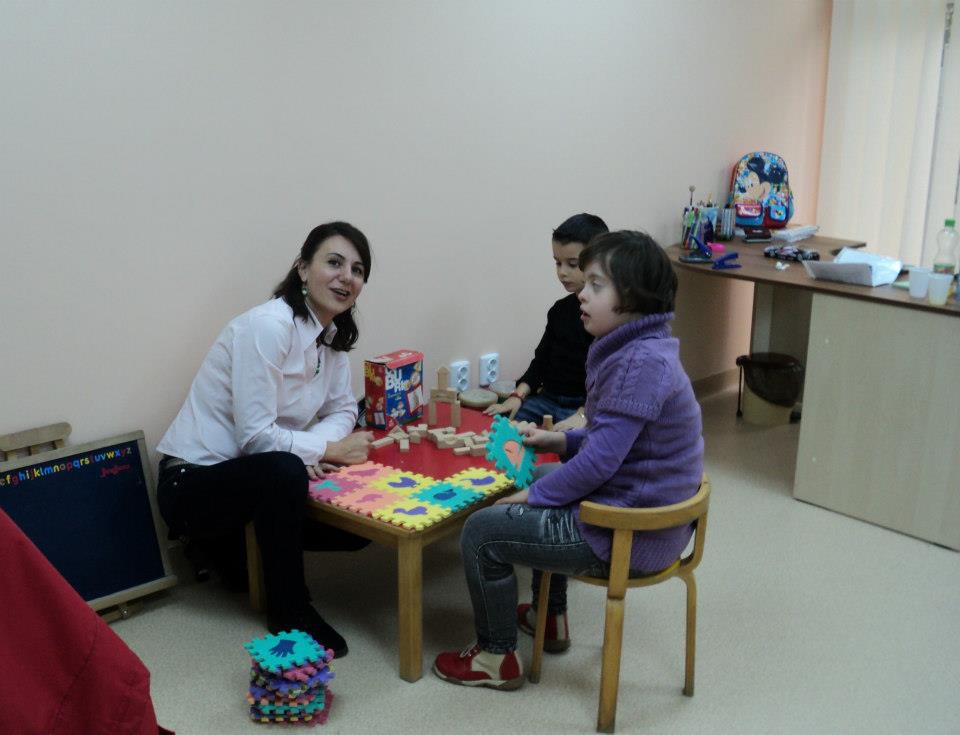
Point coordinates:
[[769, 386]]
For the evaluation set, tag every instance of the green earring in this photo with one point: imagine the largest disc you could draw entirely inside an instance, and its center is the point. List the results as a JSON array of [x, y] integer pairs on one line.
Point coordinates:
[[303, 289]]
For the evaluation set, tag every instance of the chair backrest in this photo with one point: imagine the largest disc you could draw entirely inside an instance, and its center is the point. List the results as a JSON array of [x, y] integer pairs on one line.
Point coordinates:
[[625, 521]]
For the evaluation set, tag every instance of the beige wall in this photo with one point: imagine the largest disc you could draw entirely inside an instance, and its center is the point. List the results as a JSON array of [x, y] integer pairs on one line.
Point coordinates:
[[160, 164]]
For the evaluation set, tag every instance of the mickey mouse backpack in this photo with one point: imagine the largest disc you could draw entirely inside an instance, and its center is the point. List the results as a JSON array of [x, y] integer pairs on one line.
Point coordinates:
[[760, 191]]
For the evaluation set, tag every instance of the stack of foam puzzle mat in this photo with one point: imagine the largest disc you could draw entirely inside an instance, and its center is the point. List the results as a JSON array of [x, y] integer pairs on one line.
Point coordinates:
[[405, 498], [288, 679]]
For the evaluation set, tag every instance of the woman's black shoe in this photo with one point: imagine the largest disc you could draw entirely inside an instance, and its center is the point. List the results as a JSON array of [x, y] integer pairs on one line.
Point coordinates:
[[311, 622]]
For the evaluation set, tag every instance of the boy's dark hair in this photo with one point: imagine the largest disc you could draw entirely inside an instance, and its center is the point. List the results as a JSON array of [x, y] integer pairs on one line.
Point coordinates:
[[290, 287], [579, 228], [638, 268]]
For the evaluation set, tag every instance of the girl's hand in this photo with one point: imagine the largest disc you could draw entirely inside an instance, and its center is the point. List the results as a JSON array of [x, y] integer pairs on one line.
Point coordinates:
[[573, 421], [352, 449], [511, 406], [543, 441], [319, 470], [518, 497]]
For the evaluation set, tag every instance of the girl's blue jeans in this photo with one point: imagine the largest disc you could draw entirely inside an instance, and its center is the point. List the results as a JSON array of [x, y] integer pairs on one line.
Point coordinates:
[[496, 538]]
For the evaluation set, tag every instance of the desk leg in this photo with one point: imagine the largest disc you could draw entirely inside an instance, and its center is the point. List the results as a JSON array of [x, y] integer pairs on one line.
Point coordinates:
[[410, 604]]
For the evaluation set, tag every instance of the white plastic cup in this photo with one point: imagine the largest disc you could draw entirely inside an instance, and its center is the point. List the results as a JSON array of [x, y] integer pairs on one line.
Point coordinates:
[[939, 288], [919, 280]]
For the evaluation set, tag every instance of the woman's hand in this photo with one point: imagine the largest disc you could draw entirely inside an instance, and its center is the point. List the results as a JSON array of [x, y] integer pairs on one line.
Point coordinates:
[[353, 449], [541, 440], [511, 406], [319, 470], [518, 497]]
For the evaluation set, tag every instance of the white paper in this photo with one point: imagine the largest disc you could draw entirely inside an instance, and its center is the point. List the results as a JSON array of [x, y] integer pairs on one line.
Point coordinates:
[[856, 267]]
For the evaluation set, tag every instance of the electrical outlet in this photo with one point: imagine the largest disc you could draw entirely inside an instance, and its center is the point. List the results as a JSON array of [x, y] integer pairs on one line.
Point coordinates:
[[460, 375], [489, 368]]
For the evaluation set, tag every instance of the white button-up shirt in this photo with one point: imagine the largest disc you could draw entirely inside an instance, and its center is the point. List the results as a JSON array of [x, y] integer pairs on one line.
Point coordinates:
[[265, 386]]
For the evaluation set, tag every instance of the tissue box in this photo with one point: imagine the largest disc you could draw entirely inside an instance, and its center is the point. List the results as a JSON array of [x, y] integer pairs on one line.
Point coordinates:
[[393, 385]]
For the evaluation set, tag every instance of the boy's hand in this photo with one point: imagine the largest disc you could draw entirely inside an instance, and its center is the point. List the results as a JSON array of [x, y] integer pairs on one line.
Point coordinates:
[[543, 441], [352, 449], [518, 497], [511, 406]]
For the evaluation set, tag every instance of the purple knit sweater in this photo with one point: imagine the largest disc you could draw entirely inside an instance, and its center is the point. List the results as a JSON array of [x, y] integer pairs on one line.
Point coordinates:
[[642, 446]]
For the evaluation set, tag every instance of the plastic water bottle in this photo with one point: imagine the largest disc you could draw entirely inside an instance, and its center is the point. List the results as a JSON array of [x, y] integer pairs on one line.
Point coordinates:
[[945, 261]]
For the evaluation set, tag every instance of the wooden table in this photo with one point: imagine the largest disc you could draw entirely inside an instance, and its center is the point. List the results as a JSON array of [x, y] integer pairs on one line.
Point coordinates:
[[881, 409], [426, 459]]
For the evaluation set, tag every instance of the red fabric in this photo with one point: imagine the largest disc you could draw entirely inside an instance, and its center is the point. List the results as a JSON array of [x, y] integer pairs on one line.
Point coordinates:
[[62, 670], [427, 459]]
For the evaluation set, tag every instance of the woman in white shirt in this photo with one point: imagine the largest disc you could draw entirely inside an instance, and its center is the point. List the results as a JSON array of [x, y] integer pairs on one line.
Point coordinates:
[[270, 409]]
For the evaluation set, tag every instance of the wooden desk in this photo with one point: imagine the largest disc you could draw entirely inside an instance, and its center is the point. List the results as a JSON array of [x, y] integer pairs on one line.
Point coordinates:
[[426, 459], [881, 405]]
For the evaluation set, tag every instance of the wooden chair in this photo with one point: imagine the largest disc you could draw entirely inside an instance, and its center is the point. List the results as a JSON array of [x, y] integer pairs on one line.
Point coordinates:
[[624, 522]]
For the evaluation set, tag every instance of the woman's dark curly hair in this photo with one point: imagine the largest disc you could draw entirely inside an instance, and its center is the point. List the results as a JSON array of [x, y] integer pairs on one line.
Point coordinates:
[[290, 288]]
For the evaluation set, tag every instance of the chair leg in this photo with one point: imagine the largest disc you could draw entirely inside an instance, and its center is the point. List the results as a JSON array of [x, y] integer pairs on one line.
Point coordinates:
[[610, 667], [541, 631], [691, 633], [255, 570]]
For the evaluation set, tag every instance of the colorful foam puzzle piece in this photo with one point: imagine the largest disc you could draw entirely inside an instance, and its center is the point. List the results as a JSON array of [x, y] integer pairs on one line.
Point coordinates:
[[411, 513], [318, 718], [367, 500], [313, 703], [448, 495], [285, 650], [481, 480], [329, 487], [286, 688], [365, 473], [505, 449], [402, 482]]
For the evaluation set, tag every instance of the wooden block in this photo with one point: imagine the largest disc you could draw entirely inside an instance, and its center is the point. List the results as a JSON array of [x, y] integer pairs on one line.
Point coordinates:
[[445, 395], [443, 377], [455, 414], [432, 412], [415, 438], [547, 422], [387, 440], [404, 445], [397, 432], [478, 450], [461, 451], [465, 434]]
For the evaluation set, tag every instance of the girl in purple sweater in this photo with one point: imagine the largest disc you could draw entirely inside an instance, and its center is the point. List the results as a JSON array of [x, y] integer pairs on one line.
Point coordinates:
[[642, 447]]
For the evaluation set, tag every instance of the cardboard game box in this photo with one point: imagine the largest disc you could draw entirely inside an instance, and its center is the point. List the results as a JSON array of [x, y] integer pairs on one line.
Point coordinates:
[[393, 385]]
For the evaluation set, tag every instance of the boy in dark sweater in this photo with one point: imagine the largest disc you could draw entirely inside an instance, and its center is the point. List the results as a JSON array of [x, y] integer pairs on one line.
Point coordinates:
[[553, 385]]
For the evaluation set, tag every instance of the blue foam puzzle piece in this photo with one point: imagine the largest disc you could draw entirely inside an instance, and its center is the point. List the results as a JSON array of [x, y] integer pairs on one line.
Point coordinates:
[[502, 432]]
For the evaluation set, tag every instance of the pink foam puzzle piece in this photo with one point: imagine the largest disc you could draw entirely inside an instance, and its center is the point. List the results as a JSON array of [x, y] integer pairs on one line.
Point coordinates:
[[367, 500], [329, 487]]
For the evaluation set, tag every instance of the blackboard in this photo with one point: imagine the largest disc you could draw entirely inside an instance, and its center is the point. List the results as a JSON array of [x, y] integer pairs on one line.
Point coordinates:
[[91, 510]]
